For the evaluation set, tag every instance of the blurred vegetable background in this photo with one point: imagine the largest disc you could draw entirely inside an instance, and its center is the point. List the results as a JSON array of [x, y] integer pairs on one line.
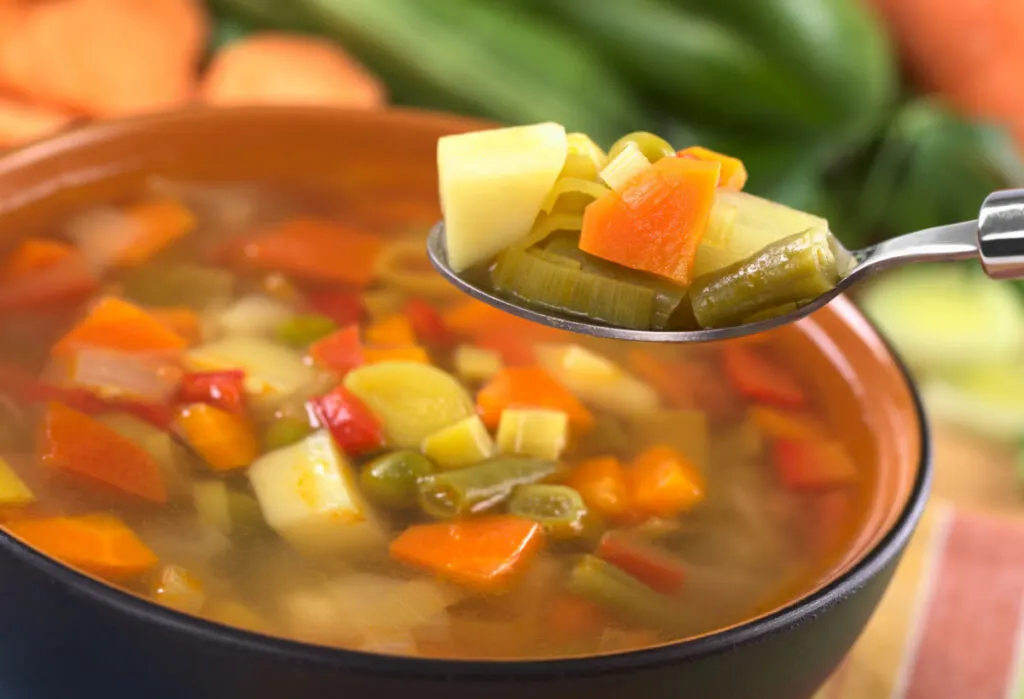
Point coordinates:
[[882, 115]]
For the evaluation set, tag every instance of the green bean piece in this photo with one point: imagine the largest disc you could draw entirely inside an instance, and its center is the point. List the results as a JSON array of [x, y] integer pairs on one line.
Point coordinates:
[[390, 479], [285, 431], [558, 508], [796, 269], [477, 488], [304, 330], [621, 594], [653, 147]]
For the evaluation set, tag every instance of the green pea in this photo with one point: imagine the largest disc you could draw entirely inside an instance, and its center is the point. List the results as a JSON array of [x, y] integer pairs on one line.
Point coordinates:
[[285, 431], [390, 480], [654, 148], [304, 330]]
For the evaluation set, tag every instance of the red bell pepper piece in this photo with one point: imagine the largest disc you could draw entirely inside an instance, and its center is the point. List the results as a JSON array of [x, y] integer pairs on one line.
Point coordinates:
[[343, 307], [656, 569], [340, 352], [757, 378], [354, 428], [427, 323], [813, 464], [221, 389]]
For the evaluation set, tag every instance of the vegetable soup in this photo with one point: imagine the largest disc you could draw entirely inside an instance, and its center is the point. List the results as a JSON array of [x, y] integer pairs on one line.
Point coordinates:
[[262, 407]]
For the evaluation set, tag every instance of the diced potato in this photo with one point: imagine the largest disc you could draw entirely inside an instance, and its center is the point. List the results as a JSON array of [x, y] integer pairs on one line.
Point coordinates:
[[626, 165], [271, 370], [254, 315], [492, 184], [476, 364], [462, 444], [169, 455], [308, 495], [13, 490], [534, 432], [596, 380], [759, 222], [412, 400]]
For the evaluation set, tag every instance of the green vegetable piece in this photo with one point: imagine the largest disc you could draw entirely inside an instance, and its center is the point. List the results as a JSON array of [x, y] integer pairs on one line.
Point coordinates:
[[653, 147], [302, 331], [796, 269], [390, 480], [481, 487], [558, 508], [621, 594], [285, 431], [230, 511], [188, 285]]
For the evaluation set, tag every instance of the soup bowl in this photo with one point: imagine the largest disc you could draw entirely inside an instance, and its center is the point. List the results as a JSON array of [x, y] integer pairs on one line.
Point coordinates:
[[63, 633]]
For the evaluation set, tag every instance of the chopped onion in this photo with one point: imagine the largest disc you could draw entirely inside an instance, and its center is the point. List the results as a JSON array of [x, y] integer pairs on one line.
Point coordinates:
[[151, 378], [103, 234]]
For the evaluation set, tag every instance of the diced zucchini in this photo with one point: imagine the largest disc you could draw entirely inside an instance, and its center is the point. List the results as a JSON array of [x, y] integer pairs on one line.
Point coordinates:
[[13, 490], [309, 496], [169, 455], [229, 511], [255, 314], [597, 380], [492, 184], [411, 400], [462, 444], [476, 364], [271, 370], [539, 433], [624, 166]]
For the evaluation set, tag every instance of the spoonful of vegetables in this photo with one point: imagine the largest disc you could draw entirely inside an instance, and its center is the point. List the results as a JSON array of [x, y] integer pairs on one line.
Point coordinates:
[[647, 243]]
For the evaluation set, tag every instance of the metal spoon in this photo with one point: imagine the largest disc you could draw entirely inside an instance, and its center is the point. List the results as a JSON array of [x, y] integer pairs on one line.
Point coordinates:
[[996, 238]]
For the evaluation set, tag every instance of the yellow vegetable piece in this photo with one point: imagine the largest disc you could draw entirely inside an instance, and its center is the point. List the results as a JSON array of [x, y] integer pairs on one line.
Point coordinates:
[[580, 144], [596, 380], [13, 490], [271, 370], [626, 165], [225, 441], [465, 443], [540, 433], [570, 195], [411, 400], [476, 364]]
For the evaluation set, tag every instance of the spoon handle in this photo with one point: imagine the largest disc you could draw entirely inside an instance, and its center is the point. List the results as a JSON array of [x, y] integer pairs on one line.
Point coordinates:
[[1001, 234]]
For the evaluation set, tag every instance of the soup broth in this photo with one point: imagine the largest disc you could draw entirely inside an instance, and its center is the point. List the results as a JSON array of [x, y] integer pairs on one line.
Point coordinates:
[[262, 407]]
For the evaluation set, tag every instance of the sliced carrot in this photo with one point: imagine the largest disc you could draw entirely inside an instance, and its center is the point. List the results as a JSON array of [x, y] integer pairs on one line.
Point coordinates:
[[160, 222], [226, 441], [734, 173], [407, 353], [394, 330], [116, 57], [601, 482], [663, 483], [756, 378], [655, 223], [180, 320], [341, 351], [273, 68], [484, 554], [118, 324], [569, 617], [33, 255], [651, 566], [74, 443], [784, 424], [314, 250], [814, 464], [102, 545], [529, 387], [474, 318], [22, 122]]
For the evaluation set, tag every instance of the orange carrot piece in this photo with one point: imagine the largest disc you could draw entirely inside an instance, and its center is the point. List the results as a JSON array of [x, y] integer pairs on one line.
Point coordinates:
[[529, 387], [655, 223], [117, 57], [569, 617], [273, 68], [33, 255], [22, 122], [756, 378], [830, 518], [601, 482], [226, 441], [182, 321], [160, 222], [734, 172], [394, 331], [341, 351], [664, 483], [814, 464], [118, 324], [408, 353], [784, 424], [474, 318], [74, 443], [483, 554], [102, 545], [314, 250]]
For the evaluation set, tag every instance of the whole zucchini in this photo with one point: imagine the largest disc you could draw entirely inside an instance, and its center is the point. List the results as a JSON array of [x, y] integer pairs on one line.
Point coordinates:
[[482, 58]]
